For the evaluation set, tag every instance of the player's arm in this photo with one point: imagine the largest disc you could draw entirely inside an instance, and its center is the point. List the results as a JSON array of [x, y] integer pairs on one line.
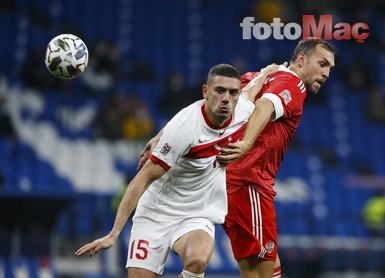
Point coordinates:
[[148, 174], [251, 90], [264, 112], [147, 150]]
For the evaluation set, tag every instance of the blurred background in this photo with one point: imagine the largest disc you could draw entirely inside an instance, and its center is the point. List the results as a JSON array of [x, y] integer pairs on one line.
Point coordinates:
[[68, 148]]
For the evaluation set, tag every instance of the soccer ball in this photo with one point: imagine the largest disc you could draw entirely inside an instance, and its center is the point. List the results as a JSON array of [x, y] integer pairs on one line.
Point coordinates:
[[66, 56]]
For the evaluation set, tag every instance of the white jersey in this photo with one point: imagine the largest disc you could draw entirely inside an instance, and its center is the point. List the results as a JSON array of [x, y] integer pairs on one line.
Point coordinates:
[[194, 184]]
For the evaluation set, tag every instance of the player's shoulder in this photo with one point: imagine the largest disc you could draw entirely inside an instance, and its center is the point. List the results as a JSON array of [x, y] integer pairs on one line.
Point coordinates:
[[244, 103], [186, 117], [284, 74], [287, 79]]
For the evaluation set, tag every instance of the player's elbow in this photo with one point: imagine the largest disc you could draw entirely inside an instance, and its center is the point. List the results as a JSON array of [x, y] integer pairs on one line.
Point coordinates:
[[150, 173], [265, 107]]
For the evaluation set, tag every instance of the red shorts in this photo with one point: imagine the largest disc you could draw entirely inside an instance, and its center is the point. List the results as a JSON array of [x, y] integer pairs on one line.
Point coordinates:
[[251, 224]]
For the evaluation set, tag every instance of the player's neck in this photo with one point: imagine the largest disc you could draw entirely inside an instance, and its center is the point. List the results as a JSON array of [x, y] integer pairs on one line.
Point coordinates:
[[294, 68], [217, 122]]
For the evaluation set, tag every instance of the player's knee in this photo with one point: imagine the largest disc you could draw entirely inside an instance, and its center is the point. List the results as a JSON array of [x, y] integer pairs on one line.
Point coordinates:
[[245, 265], [195, 264], [244, 268]]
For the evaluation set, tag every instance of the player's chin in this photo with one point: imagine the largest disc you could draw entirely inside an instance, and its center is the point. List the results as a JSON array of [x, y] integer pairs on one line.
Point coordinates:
[[224, 115], [314, 89], [224, 111]]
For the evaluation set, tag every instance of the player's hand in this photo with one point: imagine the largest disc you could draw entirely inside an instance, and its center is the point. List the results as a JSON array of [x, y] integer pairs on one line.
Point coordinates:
[[96, 246], [272, 68], [261, 77], [145, 153], [232, 152]]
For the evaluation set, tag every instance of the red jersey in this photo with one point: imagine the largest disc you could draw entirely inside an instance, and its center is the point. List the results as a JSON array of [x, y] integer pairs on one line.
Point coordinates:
[[259, 166]]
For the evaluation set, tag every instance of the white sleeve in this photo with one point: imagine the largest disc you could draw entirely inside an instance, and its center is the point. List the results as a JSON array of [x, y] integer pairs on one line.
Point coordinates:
[[175, 142], [277, 103]]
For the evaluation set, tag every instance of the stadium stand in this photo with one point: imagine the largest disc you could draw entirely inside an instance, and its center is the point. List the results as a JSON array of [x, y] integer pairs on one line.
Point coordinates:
[[58, 164]]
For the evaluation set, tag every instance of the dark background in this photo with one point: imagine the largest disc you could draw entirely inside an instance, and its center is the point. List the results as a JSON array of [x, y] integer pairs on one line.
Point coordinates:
[[68, 147]]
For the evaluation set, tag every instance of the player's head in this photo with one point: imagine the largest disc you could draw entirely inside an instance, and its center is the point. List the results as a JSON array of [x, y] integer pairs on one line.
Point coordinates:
[[221, 92], [225, 70], [313, 60]]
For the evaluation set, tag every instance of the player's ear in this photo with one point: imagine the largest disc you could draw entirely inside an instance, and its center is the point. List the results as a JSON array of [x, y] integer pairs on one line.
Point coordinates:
[[204, 91], [301, 59]]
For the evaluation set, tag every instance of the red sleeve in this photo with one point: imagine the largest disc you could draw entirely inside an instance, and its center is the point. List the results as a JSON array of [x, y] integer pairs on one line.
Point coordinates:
[[161, 163], [290, 90]]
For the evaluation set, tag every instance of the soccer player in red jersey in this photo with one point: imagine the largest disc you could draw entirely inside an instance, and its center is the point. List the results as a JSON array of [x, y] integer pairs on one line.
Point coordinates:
[[251, 219]]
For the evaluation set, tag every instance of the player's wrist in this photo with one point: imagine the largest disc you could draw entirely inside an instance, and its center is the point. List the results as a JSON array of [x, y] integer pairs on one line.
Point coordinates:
[[113, 236], [248, 144], [263, 74]]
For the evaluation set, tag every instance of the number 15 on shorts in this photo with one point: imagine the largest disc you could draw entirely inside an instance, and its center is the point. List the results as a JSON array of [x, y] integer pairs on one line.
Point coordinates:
[[139, 249]]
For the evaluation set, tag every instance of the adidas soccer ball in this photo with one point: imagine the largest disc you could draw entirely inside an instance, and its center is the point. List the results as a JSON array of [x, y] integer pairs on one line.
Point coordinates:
[[66, 56]]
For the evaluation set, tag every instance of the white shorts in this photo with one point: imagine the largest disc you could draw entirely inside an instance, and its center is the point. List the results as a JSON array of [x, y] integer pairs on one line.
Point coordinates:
[[153, 234]]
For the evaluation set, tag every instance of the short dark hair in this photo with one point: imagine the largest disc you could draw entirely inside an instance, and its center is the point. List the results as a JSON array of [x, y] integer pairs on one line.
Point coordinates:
[[308, 46], [223, 70]]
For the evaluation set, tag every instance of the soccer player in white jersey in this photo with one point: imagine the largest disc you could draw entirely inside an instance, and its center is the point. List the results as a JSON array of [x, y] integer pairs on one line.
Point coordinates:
[[251, 220], [180, 193]]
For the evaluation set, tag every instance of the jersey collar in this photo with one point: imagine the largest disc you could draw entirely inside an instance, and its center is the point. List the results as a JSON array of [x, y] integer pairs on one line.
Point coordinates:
[[282, 68]]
